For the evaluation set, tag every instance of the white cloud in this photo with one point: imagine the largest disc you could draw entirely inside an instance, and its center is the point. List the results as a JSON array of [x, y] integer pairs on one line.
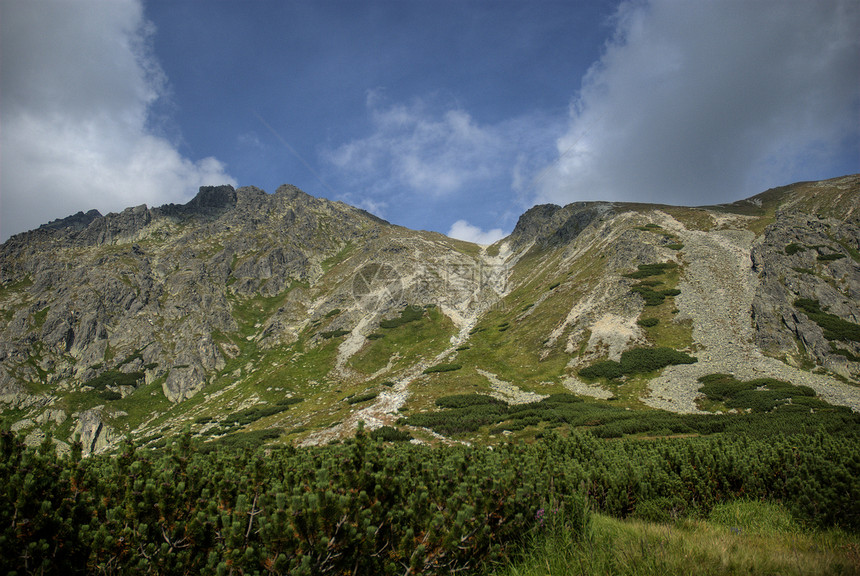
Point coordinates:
[[704, 102], [376, 207], [462, 230], [423, 160], [435, 152], [428, 153], [79, 81]]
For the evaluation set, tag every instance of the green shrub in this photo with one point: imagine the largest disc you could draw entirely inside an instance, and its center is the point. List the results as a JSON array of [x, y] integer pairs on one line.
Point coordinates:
[[390, 434], [115, 378], [358, 398], [760, 395], [425, 510], [242, 440], [809, 306], [466, 418], [408, 314], [830, 257], [40, 316], [640, 360], [561, 398], [773, 416], [834, 327], [245, 417], [648, 322], [793, 249], [334, 333], [464, 400], [289, 401], [843, 352], [333, 312], [375, 336], [442, 368], [721, 387], [608, 369], [646, 270], [637, 361], [650, 296]]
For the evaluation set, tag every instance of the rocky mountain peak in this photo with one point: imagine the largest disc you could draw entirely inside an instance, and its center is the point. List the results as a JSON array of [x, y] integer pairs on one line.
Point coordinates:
[[289, 192], [76, 222], [213, 199], [550, 225]]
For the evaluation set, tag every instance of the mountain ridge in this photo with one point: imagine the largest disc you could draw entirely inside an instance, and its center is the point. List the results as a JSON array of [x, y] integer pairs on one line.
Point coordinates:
[[151, 319]]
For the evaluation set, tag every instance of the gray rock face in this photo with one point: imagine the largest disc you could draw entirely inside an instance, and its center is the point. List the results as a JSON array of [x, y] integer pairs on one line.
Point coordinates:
[[94, 434], [77, 221], [155, 305], [151, 287], [793, 261], [548, 225]]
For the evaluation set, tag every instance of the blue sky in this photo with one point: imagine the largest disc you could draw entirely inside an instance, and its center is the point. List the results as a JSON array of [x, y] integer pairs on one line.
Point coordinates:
[[454, 116]]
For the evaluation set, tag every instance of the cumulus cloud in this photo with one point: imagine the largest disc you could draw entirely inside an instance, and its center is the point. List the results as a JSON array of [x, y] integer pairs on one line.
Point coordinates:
[[79, 84], [704, 102], [424, 159], [427, 152], [433, 151], [462, 230]]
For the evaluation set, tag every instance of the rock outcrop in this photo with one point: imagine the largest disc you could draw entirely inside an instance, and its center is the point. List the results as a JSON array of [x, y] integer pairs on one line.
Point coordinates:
[[239, 293], [805, 257]]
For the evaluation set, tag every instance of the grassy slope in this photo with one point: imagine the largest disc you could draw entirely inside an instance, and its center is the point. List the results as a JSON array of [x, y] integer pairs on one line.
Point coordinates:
[[509, 340], [738, 538]]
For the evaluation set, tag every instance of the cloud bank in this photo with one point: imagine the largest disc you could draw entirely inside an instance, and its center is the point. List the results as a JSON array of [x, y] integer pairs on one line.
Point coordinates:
[[80, 88], [462, 230], [704, 102]]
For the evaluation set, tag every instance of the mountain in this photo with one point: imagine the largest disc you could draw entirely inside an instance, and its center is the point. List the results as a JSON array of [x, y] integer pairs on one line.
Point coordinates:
[[294, 317]]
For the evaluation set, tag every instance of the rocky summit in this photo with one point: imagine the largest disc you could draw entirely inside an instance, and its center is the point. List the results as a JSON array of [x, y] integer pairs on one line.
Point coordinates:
[[296, 318]]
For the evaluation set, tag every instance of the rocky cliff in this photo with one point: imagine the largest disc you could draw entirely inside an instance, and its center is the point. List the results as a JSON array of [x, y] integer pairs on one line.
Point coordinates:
[[153, 319]]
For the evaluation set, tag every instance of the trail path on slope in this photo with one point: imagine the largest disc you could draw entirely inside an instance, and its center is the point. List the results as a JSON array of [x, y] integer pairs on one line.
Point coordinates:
[[717, 291], [384, 409]]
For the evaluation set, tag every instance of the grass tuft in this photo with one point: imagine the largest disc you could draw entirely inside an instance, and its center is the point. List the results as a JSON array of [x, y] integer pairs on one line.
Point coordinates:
[[739, 538]]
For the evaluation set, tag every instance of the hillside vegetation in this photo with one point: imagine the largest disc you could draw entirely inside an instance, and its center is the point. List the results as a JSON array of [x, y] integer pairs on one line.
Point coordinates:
[[257, 383], [371, 507]]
